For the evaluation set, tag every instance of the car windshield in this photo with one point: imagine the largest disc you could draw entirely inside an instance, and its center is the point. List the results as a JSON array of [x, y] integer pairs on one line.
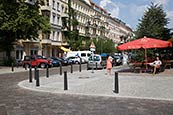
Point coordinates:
[[95, 58], [39, 57], [104, 58]]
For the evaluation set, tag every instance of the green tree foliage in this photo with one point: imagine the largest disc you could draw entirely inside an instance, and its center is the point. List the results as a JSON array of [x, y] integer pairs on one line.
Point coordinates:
[[20, 20], [153, 23], [104, 45]]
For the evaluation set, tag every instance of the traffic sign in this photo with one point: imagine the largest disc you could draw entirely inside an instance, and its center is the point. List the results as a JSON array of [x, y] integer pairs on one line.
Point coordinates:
[[92, 45]]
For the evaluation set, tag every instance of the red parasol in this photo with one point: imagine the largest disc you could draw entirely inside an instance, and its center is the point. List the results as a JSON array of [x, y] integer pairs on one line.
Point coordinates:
[[144, 43]]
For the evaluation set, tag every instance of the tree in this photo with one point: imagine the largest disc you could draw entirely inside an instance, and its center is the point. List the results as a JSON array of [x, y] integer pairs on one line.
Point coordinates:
[[104, 45], [153, 23], [20, 20]]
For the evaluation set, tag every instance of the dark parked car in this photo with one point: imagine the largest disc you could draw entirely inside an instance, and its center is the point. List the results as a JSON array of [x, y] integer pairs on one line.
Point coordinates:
[[55, 62], [117, 60], [63, 61]]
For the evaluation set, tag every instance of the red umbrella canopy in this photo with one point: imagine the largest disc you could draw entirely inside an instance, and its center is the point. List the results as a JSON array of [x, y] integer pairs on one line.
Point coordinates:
[[144, 43]]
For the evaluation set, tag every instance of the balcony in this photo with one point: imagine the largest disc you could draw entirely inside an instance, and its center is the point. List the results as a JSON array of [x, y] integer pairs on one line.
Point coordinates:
[[96, 17], [46, 8], [46, 41], [64, 15], [64, 43], [56, 43], [64, 29]]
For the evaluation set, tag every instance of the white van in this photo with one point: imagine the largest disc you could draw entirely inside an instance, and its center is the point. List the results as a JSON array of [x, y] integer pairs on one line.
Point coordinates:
[[83, 54]]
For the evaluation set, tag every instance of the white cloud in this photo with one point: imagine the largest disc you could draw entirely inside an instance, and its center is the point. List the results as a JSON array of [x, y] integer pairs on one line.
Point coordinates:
[[111, 7], [136, 10], [170, 16], [103, 3], [163, 2]]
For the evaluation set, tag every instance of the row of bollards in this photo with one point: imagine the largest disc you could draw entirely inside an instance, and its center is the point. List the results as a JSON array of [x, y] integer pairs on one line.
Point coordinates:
[[36, 76]]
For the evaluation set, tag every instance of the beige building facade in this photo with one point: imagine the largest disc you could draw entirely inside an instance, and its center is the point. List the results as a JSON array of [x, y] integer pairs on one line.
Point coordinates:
[[94, 21]]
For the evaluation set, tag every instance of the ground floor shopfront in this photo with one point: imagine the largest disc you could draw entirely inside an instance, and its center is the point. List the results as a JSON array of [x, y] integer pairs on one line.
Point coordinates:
[[35, 48]]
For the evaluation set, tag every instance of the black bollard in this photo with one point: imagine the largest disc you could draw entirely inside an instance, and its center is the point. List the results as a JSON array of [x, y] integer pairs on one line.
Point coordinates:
[[47, 71], [37, 78], [71, 68], [35, 72], [96, 65], [80, 64], [60, 69], [65, 81], [30, 74], [12, 66], [116, 88]]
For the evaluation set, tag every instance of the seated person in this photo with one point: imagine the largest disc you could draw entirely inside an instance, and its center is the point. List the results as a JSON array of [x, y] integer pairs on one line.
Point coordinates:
[[156, 64]]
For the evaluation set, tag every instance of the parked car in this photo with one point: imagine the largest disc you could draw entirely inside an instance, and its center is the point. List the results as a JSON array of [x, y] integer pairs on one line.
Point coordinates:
[[36, 60], [101, 62], [76, 60], [117, 60], [83, 54], [55, 61], [61, 60], [65, 61]]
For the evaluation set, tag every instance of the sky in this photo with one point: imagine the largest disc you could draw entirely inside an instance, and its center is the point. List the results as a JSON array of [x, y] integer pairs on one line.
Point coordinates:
[[130, 11]]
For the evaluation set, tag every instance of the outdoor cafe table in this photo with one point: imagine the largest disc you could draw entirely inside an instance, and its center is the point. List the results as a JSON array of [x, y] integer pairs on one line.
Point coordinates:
[[140, 67], [168, 63]]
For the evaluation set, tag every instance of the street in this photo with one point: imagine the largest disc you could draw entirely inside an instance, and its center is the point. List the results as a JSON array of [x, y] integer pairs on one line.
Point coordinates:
[[18, 101]]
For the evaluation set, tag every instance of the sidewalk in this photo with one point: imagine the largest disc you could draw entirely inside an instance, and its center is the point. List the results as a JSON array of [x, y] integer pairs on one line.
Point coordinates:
[[4, 70], [131, 85]]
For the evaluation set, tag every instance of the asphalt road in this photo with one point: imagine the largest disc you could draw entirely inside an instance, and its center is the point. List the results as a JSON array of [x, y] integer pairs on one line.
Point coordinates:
[[17, 101]]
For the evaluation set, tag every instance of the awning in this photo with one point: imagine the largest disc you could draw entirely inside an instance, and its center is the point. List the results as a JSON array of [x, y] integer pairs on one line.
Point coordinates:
[[64, 49]]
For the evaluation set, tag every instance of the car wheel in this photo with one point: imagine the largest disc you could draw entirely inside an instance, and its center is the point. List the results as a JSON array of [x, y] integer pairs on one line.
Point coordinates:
[[42, 65], [76, 62]]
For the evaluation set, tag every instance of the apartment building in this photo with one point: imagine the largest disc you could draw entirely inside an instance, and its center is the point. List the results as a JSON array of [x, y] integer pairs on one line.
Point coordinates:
[[56, 10], [94, 21], [118, 29], [91, 18]]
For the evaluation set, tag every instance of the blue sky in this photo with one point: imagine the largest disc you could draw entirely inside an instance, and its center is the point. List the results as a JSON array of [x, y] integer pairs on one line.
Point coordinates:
[[130, 11]]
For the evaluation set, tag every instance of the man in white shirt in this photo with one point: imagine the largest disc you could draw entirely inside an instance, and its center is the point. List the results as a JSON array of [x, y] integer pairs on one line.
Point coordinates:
[[156, 64]]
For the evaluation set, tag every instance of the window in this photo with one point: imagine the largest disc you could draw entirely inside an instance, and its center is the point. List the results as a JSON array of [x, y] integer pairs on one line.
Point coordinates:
[[53, 4], [53, 18], [58, 20], [33, 52], [58, 6], [19, 54], [58, 36], [83, 54], [88, 55], [53, 35], [47, 2], [62, 8]]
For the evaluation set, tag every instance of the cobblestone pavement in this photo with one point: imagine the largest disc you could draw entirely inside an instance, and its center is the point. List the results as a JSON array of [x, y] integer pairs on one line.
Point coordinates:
[[18, 101]]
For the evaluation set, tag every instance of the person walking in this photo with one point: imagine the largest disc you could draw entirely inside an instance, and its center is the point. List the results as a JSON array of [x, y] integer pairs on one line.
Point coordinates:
[[109, 65]]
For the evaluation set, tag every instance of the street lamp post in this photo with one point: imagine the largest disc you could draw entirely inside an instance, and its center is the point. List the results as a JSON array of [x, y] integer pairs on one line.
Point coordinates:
[[92, 49]]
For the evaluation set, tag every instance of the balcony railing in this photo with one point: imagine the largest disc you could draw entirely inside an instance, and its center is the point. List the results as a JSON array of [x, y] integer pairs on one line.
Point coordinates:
[[56, 43], [46, 8], [46, 41], [64, 15]]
